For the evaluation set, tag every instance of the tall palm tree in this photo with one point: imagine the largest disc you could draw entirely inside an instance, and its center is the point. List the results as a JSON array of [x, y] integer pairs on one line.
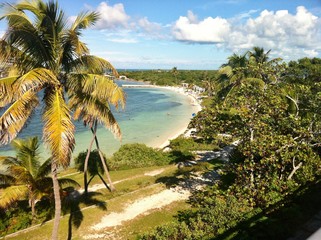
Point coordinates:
[[48, 57], [24, 176], [237, 61], [175, 73], [259, 55], [252, 66]]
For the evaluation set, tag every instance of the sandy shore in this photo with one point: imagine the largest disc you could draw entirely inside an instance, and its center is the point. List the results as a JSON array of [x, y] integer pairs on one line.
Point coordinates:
[[182, 128]]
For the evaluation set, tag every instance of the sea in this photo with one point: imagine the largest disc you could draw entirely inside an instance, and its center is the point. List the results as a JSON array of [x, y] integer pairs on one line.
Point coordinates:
[[151, 116]]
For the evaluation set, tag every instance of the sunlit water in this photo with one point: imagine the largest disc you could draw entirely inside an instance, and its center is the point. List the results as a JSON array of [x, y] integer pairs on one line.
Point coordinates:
[[151, 116]]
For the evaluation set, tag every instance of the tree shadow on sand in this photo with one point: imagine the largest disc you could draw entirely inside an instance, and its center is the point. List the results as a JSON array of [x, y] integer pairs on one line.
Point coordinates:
[[71, 204], [191, 177]]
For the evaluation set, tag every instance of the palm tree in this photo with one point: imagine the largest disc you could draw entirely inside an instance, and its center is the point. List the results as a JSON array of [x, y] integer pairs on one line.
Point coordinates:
[[241, 68], [175, 73], [25, 177], [237, 61], [48, 57], [91, 106], [258, 55], [260, 65]]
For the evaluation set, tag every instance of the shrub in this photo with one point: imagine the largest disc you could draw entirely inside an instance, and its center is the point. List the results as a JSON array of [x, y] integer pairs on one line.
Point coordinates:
[[94, 164], [215, 213], [137, 155], [184, 144]]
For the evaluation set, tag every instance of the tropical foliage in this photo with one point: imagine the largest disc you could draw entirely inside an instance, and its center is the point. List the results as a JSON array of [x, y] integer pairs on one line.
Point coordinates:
[[137, 155], [26, 176], [45, 54], [270, 110], [173, 77]]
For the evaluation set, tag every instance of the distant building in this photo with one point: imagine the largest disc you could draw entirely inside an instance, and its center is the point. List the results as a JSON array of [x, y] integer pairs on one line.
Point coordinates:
[[122, 77], [198, 89], [185, 85]]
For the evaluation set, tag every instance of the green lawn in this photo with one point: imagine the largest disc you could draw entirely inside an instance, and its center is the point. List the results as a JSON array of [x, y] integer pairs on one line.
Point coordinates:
[[131, 185]]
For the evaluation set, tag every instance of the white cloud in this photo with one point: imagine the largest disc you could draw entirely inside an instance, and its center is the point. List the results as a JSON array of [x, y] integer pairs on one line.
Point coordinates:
[[111, 16], [123, 40], [148, 26], [209, 30], [288, 35]]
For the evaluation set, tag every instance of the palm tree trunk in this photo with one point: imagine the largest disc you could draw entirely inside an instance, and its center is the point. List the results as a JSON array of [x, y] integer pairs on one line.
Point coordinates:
[[111, 185], [33, 208], [86, 163], [32, 202], [56, 189]]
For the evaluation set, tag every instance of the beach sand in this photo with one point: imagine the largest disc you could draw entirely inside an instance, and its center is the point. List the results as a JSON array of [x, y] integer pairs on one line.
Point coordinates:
[[182, 127]]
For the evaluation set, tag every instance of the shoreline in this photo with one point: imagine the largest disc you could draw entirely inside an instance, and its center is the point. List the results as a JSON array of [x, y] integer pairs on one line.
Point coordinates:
[[182, 129]]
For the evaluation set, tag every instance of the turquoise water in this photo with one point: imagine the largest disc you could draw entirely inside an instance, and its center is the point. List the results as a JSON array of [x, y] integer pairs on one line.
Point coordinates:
[[151, 116]]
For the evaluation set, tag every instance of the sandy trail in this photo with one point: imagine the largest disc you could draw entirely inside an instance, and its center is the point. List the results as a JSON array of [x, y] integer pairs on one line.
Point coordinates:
[[142, 206]]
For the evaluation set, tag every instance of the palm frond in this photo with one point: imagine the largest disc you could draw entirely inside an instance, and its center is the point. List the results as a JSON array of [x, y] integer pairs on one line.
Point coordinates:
[[227, 70], [35, 79], [14, 16], [21, 174], [15, 117], [94, 65], [12, 194], [27, 151], [6, 180], [58, 129], [63, 182], [84, 20], [44, 169], [117, 97], [7, 92], [8, 161], [72, 49], [89, 109], [32, 6]]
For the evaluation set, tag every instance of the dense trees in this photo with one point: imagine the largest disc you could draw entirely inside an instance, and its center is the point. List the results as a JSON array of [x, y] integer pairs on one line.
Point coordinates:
[[270, 110]]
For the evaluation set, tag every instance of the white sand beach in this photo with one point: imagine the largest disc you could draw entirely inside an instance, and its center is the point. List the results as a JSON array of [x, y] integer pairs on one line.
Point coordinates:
[[182, 127]]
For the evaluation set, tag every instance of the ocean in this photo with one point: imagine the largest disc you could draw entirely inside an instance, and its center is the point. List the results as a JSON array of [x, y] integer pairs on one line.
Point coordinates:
[[151, 116]]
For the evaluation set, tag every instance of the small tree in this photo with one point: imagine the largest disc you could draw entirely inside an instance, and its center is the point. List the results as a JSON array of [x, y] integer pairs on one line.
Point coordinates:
[[25, 177]]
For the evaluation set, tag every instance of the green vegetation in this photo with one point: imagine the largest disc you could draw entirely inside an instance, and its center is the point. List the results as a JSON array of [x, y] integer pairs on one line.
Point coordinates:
[[136, 156], [49, 57], [271, 109], [173, 77], [25, 180], [268, 108]]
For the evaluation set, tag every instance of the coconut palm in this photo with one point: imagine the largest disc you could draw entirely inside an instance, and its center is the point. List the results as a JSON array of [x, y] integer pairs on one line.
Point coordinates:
[[92, 106], [24, 176], [237, 61], [47, 57], [259, 55]]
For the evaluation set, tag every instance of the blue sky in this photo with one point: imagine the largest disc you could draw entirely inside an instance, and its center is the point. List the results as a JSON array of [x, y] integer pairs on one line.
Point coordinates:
[[198, 34]]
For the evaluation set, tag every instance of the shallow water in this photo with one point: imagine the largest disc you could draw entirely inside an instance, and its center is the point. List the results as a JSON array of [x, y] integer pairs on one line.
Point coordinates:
[[151, 116]]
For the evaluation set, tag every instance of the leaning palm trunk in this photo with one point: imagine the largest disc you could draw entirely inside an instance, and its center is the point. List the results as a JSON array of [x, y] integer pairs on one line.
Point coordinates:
[[111, 185], [86, 163]]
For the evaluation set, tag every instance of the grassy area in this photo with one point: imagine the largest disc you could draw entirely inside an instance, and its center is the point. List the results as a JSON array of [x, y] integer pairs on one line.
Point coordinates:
[[131, 185]]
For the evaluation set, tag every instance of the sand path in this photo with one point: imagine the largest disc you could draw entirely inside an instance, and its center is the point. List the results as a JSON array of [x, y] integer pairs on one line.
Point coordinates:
[[142, 206]]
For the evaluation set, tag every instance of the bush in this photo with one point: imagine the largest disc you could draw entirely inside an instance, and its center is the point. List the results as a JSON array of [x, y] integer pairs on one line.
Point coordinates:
[[184, 144], [215, 213], [137, 155]]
